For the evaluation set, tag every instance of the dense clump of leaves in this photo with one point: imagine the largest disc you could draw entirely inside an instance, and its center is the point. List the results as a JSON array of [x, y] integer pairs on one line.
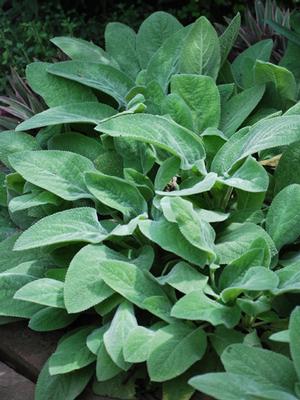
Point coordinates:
[[158, 195]]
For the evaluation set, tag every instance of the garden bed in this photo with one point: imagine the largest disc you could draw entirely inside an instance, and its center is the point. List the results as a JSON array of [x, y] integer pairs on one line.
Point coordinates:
[[23, 353]]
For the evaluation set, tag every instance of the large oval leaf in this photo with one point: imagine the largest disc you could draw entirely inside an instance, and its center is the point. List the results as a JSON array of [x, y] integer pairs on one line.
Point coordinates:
[[120, 43], [265, 134], [13, 142], [160, 132], [59, 172], [10, 283], [174, 349], [202, 96], [62, 387], [84, 286], [201, 52], [116, 193], [168, 236], [87, 113], [56, 90], [152, 33], [72, 352], [283, 218], [79, 49], [134, 284], [102, 77], [74, 225]]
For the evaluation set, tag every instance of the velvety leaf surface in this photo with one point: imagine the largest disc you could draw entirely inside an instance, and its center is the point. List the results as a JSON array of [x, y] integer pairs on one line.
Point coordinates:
[[13, 142], [61, 387], [152, 33], [120, 42], [201, 52], [102, 77], [116, 193], [115, 337], [9, 284], [80, 225], [282, 221], [79, 49], [59, 172], [45, 291], [174, 349], [87, 112], [160, 132], [71, 353], [197, 306], [201, 94], [56, 90], [265, 134]]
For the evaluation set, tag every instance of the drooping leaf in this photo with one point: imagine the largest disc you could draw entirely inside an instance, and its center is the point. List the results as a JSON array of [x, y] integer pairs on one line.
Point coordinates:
[[33, 199], [238, 238], [230, 386], [10, 283], [87, 112], [203, 185], [10, 259], [13, 142], [255, 279], [130, 281], [160, 132], [268, 366], [168, 236], [84, 290], [102, 77], [266, 134], [250, 177], [289, 280], [197, 306], [50, 319], [55, 90], [45, 291], [284, 83], [79, 49], [184, 278], [79, 225], [116, 193], [196, 230], [59, 172]]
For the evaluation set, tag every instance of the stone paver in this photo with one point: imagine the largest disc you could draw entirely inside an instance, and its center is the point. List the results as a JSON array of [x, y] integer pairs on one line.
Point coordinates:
[[14, 386], [25, 349]]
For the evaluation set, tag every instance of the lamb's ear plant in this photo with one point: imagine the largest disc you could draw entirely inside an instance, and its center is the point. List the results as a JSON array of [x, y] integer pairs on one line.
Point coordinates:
[[158, 195]]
